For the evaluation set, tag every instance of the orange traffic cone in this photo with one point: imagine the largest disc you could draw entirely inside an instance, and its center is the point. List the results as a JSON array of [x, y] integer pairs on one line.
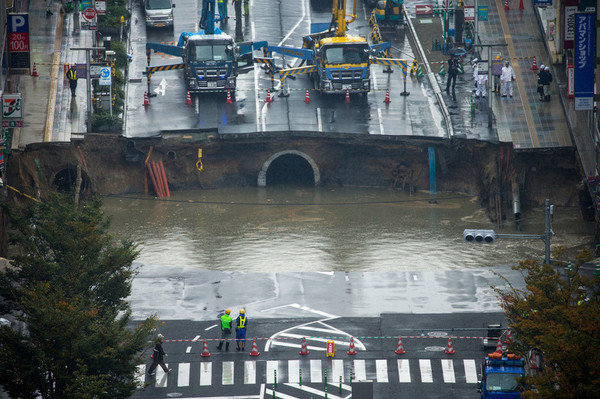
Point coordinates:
[[146, 102], [205, 351], [534, 362], [352, 350], [449, 348], [506, 8], [269, 99], [34, 72], [188, 100], [307, 96], [229, 97], [304, 349], [400, 348], [521, 5], [254, 351], [499, 347], [387, 97], [534, 66], [347, 99], [509, 338]]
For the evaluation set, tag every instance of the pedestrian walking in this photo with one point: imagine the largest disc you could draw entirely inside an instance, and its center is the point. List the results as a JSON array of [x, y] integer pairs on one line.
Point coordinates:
[[240, 330], [546, 82], [475, 72], [225, 330], [72, 76], [540, 82], [158, 355], [222, 4], [452, 73], [507, 78], [481, 86]]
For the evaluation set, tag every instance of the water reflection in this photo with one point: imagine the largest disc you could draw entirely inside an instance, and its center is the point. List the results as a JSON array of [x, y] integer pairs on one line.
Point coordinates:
[[324, 229]]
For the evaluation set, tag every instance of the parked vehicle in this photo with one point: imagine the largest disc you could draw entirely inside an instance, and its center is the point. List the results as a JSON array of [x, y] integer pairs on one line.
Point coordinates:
[[159, 13]]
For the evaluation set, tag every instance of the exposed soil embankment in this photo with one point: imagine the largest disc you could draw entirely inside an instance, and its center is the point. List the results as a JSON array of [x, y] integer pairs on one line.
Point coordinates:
[[115, 165]]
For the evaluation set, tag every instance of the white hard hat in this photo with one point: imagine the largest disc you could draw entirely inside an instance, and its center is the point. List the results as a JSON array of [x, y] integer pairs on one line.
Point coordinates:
[[547, 69], [475, 61], [542, 66], [160, 337]]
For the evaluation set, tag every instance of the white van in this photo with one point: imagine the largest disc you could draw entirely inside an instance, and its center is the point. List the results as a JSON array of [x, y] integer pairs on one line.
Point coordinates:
[[159, 13]]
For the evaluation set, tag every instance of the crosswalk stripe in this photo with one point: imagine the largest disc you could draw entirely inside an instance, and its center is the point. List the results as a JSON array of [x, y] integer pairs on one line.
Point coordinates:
[[161, 377], [250, 372], [337, 370], [205, 373], [140, 375], [404, 370], [448, 371], [271, 369], [279, 395], [294, 371], [316, 376], [470, 371], [183, 375], [360, 370], [314, 391], [227, 376], [426, 374], [382, 370]]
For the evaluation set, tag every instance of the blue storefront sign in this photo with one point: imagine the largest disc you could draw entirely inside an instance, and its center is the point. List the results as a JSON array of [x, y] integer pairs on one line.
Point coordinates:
[[542, 2], [482, 13], [584, 61]]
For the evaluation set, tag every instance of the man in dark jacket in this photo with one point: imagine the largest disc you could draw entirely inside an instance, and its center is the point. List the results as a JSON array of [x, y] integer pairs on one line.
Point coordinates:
[[452, 73], [158, 355], [72, 76], [546, 82]]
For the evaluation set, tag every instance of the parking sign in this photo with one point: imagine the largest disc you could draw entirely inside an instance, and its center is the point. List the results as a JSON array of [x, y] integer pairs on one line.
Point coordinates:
[[105, 76]]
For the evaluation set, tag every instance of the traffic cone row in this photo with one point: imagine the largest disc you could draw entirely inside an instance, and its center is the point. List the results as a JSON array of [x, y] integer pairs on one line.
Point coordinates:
[[254, 351], [347, 99], [352, 349], [146, 102], [304, 349], [449, 348], [442, 71], [34, 72], [534, 66], [188, 100], [307, 96], [205, 351], [387, 97], [228, 101]]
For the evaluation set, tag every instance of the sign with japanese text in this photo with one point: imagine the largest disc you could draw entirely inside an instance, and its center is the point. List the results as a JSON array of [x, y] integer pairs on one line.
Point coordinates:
[[18, 40], [469, 13], [584, 61], [570, 8], [12, 110], [100, 6]]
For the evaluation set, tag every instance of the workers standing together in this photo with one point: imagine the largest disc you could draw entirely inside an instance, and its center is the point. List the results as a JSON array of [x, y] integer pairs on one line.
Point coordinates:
[[241, 322], [225, 330]]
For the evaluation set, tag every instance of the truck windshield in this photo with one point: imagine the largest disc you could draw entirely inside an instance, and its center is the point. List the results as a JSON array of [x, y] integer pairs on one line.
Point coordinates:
[[506, 382], [158, 4], [208, 52], [346, 54]]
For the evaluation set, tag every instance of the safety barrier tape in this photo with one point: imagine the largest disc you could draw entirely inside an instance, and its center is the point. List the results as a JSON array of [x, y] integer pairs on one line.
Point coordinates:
[[337, 338]]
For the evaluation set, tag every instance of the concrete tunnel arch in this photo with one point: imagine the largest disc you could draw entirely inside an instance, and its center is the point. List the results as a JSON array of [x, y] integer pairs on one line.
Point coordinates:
[[262, 175]]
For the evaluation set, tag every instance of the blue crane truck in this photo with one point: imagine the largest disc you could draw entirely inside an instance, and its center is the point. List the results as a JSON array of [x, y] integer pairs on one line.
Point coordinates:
[[500, 377], [212, 61]]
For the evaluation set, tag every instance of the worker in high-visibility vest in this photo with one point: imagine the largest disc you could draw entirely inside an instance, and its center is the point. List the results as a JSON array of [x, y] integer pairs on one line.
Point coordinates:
[[225, 330], [240, 330], [72, 76], [222, 9]]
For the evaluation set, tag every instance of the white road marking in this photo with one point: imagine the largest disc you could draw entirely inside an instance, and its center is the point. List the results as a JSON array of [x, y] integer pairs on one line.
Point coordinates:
[[227, 376], [404, 370], [197, 337], [319, 120], [211, 327], [140, 375], [360, 370], [188, 349], [316, 376], [299, 346], [426, 374], [271, 370], [161, 377], [380, 117], [302, 18], [280, 395], [162, 87], [250, 372], [448, 371], [337, 371], [382, 370], [183, 375], [205, 373], [294, 371], [470, 371]]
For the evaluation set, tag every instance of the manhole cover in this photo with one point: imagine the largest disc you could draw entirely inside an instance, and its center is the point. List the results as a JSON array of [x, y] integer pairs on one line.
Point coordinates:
[[435, 348], [437, 334], [174, 395]]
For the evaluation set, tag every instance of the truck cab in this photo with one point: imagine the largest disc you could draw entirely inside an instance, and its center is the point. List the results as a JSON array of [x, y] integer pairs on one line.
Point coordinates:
[[500, 377], [159, 13]]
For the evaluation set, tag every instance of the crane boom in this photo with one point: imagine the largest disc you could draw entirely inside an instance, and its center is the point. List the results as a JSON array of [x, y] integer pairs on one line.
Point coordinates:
[[339, 17]]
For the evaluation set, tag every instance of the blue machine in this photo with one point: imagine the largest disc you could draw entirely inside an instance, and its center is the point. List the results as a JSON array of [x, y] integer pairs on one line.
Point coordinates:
[[500, 378]]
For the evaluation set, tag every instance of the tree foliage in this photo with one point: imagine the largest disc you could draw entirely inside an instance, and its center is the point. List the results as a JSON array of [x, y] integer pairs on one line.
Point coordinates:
[[68, 285], [557, 314]]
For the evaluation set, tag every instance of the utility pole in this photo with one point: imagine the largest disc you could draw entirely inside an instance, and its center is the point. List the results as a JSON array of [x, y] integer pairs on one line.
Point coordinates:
[[88, 81]]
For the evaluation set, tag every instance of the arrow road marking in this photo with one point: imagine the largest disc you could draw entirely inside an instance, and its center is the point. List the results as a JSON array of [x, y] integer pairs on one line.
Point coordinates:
[[161, 87]]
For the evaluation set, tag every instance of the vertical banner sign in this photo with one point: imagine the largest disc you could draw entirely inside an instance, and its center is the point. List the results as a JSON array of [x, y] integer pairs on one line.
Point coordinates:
[[584, 61], [570, 8], [18, 40]]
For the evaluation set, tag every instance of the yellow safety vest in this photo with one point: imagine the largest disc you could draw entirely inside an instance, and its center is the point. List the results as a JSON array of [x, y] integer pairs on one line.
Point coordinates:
[[242, 323], [72, 74]]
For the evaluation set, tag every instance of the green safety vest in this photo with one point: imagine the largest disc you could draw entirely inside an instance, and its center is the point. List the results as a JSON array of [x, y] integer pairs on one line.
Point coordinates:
[[72, 74], [225, 322], [242, 323]]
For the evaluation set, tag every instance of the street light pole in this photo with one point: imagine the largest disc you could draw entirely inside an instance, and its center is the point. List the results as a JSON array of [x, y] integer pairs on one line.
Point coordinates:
[[88, 81]]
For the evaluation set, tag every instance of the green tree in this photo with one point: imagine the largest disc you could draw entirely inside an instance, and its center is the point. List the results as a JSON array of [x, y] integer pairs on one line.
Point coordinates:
[[68, 285], [557, 314]]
